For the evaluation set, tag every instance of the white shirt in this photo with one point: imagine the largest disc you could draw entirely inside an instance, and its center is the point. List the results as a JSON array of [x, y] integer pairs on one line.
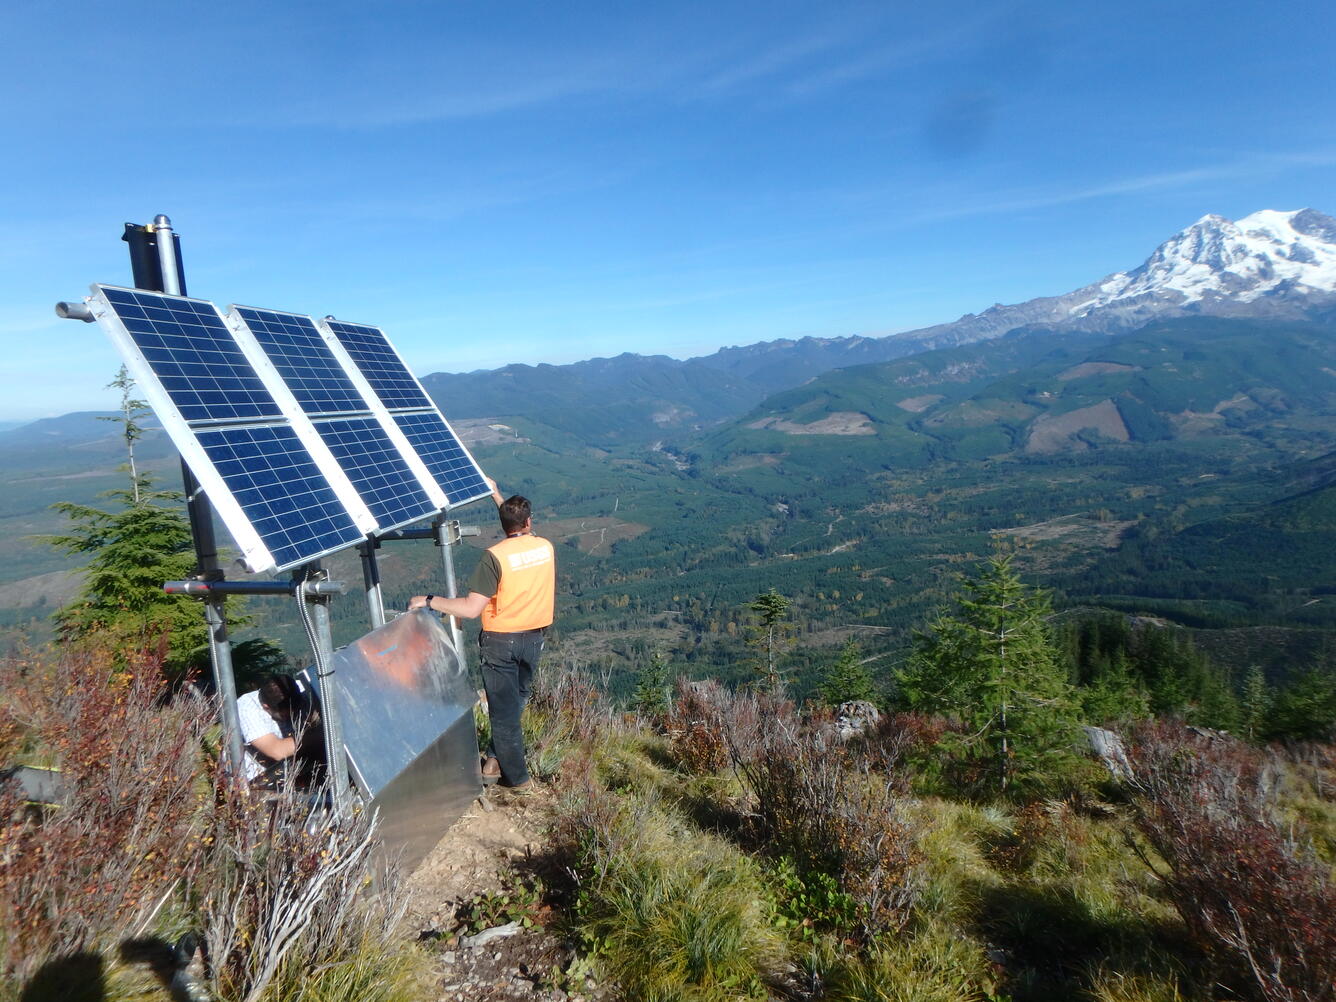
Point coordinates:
[[255, 722]]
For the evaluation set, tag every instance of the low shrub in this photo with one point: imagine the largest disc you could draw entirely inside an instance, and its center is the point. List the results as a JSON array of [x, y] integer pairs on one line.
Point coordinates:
[[695, 723], [150, 841], [811, 902], [564, 710], [98, 869], [1252, 897], [822, 804], [520, 899]]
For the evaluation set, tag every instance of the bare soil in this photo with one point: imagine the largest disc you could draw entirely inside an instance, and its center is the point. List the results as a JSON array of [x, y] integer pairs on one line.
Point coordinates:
[[595, 535], [839, 423], [1057, 433], [476, 856], [917, 405], [1095, 369]]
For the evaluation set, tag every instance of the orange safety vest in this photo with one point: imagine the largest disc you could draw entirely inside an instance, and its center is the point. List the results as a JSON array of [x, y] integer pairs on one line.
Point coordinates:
[[526, 594]]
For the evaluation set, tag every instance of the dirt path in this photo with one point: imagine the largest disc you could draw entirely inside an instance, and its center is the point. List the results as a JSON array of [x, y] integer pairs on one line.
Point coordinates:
[[472, 858], [476, 856]]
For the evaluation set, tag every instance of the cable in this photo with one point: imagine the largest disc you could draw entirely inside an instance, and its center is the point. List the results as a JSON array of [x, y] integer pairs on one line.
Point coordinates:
[[305, 613]]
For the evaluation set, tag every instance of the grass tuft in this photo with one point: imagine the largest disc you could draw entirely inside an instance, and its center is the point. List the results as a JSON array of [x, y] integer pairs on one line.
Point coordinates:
[[668, 912]]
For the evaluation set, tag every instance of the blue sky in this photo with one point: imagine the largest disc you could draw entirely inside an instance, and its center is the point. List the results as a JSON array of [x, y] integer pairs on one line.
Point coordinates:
[[499, 182]]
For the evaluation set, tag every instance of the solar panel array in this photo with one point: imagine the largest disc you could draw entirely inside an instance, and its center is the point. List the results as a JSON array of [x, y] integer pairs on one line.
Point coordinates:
[[341, 415], [280, 427]]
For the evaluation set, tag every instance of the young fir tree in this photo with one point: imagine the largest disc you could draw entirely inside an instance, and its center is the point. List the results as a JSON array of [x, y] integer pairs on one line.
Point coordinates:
[[653, 687], [846, 679], [132, 412], [1112, 693], [1305, 709], [140, 542], [994, 668], [1254, 702], [769, 634]]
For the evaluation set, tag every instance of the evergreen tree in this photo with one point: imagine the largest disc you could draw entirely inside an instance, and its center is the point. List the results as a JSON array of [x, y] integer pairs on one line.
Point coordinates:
[[995, 669], [133, 548], [846, 679], [1215, 704], [653, 686], [1254, 703], [133, 411], [1305, 708], [1112, 693], [769, 634], [140, 542]]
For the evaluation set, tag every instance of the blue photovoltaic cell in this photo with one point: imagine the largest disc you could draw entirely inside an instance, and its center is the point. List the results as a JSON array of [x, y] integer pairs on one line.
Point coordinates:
[[193, 354], [382, 367], [284, 495], [304, 360], [377, 470], [443, 455]]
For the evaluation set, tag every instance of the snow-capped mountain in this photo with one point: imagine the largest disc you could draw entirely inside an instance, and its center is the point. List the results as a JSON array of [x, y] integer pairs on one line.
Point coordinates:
[[1268, 264], [1267, 253]]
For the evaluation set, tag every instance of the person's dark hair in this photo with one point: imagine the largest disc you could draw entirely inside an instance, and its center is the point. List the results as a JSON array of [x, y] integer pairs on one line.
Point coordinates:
[[281, 694], [514, 511]]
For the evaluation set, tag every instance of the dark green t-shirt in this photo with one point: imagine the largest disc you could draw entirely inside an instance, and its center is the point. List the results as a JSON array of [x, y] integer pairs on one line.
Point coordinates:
[[487, 575]]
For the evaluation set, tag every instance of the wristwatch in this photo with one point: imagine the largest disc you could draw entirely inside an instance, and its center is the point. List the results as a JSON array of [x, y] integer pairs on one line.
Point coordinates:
[[429, 598]]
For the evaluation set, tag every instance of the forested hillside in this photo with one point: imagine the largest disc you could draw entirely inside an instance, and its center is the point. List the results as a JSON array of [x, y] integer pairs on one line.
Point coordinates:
[[1182, 471]]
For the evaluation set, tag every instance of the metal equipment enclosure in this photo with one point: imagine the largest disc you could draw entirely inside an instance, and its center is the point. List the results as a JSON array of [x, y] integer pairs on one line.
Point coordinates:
[[407, 705]]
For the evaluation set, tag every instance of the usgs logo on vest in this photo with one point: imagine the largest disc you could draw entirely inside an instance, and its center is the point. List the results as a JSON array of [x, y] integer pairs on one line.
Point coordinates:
[[528, 558]]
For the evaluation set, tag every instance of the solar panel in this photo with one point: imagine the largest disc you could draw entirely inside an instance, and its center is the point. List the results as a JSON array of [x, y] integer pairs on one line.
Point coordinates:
[[376, 457], [304, 360], [193, 356], [378, 470], [281, 491], [271, 478], [377, 360], [385, 376], [445, 456]]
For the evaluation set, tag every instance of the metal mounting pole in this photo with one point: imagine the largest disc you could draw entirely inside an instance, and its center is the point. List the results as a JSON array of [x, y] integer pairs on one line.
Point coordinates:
[[200, 512], [220, 659], [447, 535], [163, 237], [322, 642], [375, 600]]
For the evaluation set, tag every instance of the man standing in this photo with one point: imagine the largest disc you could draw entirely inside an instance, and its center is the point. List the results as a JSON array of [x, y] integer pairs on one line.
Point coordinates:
[[514, 590]]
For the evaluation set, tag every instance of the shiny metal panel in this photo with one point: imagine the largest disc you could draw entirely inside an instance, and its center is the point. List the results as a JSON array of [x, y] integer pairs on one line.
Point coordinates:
[[426, 798], [407, 708]]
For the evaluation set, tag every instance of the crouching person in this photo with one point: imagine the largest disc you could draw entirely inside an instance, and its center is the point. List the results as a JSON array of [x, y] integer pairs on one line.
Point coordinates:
[[278, 726]]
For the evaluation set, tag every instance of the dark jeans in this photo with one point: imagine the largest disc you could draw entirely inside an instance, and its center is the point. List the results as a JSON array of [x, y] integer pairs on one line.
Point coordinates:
[[508, 663]]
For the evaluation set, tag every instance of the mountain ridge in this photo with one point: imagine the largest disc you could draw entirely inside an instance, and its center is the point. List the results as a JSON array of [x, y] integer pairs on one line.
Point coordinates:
[[1270, 265]]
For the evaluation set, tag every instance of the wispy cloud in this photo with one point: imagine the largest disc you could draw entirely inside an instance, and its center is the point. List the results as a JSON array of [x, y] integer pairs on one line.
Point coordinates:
[[463, 100], [806, 61], [1259, 165], [884, 57], [778, 59]]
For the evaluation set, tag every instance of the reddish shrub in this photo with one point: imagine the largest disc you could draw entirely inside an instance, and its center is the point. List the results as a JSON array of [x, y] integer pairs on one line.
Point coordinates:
[[695, 724], [572, 697], [1251, 897], [97, 867], [823, 804]]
